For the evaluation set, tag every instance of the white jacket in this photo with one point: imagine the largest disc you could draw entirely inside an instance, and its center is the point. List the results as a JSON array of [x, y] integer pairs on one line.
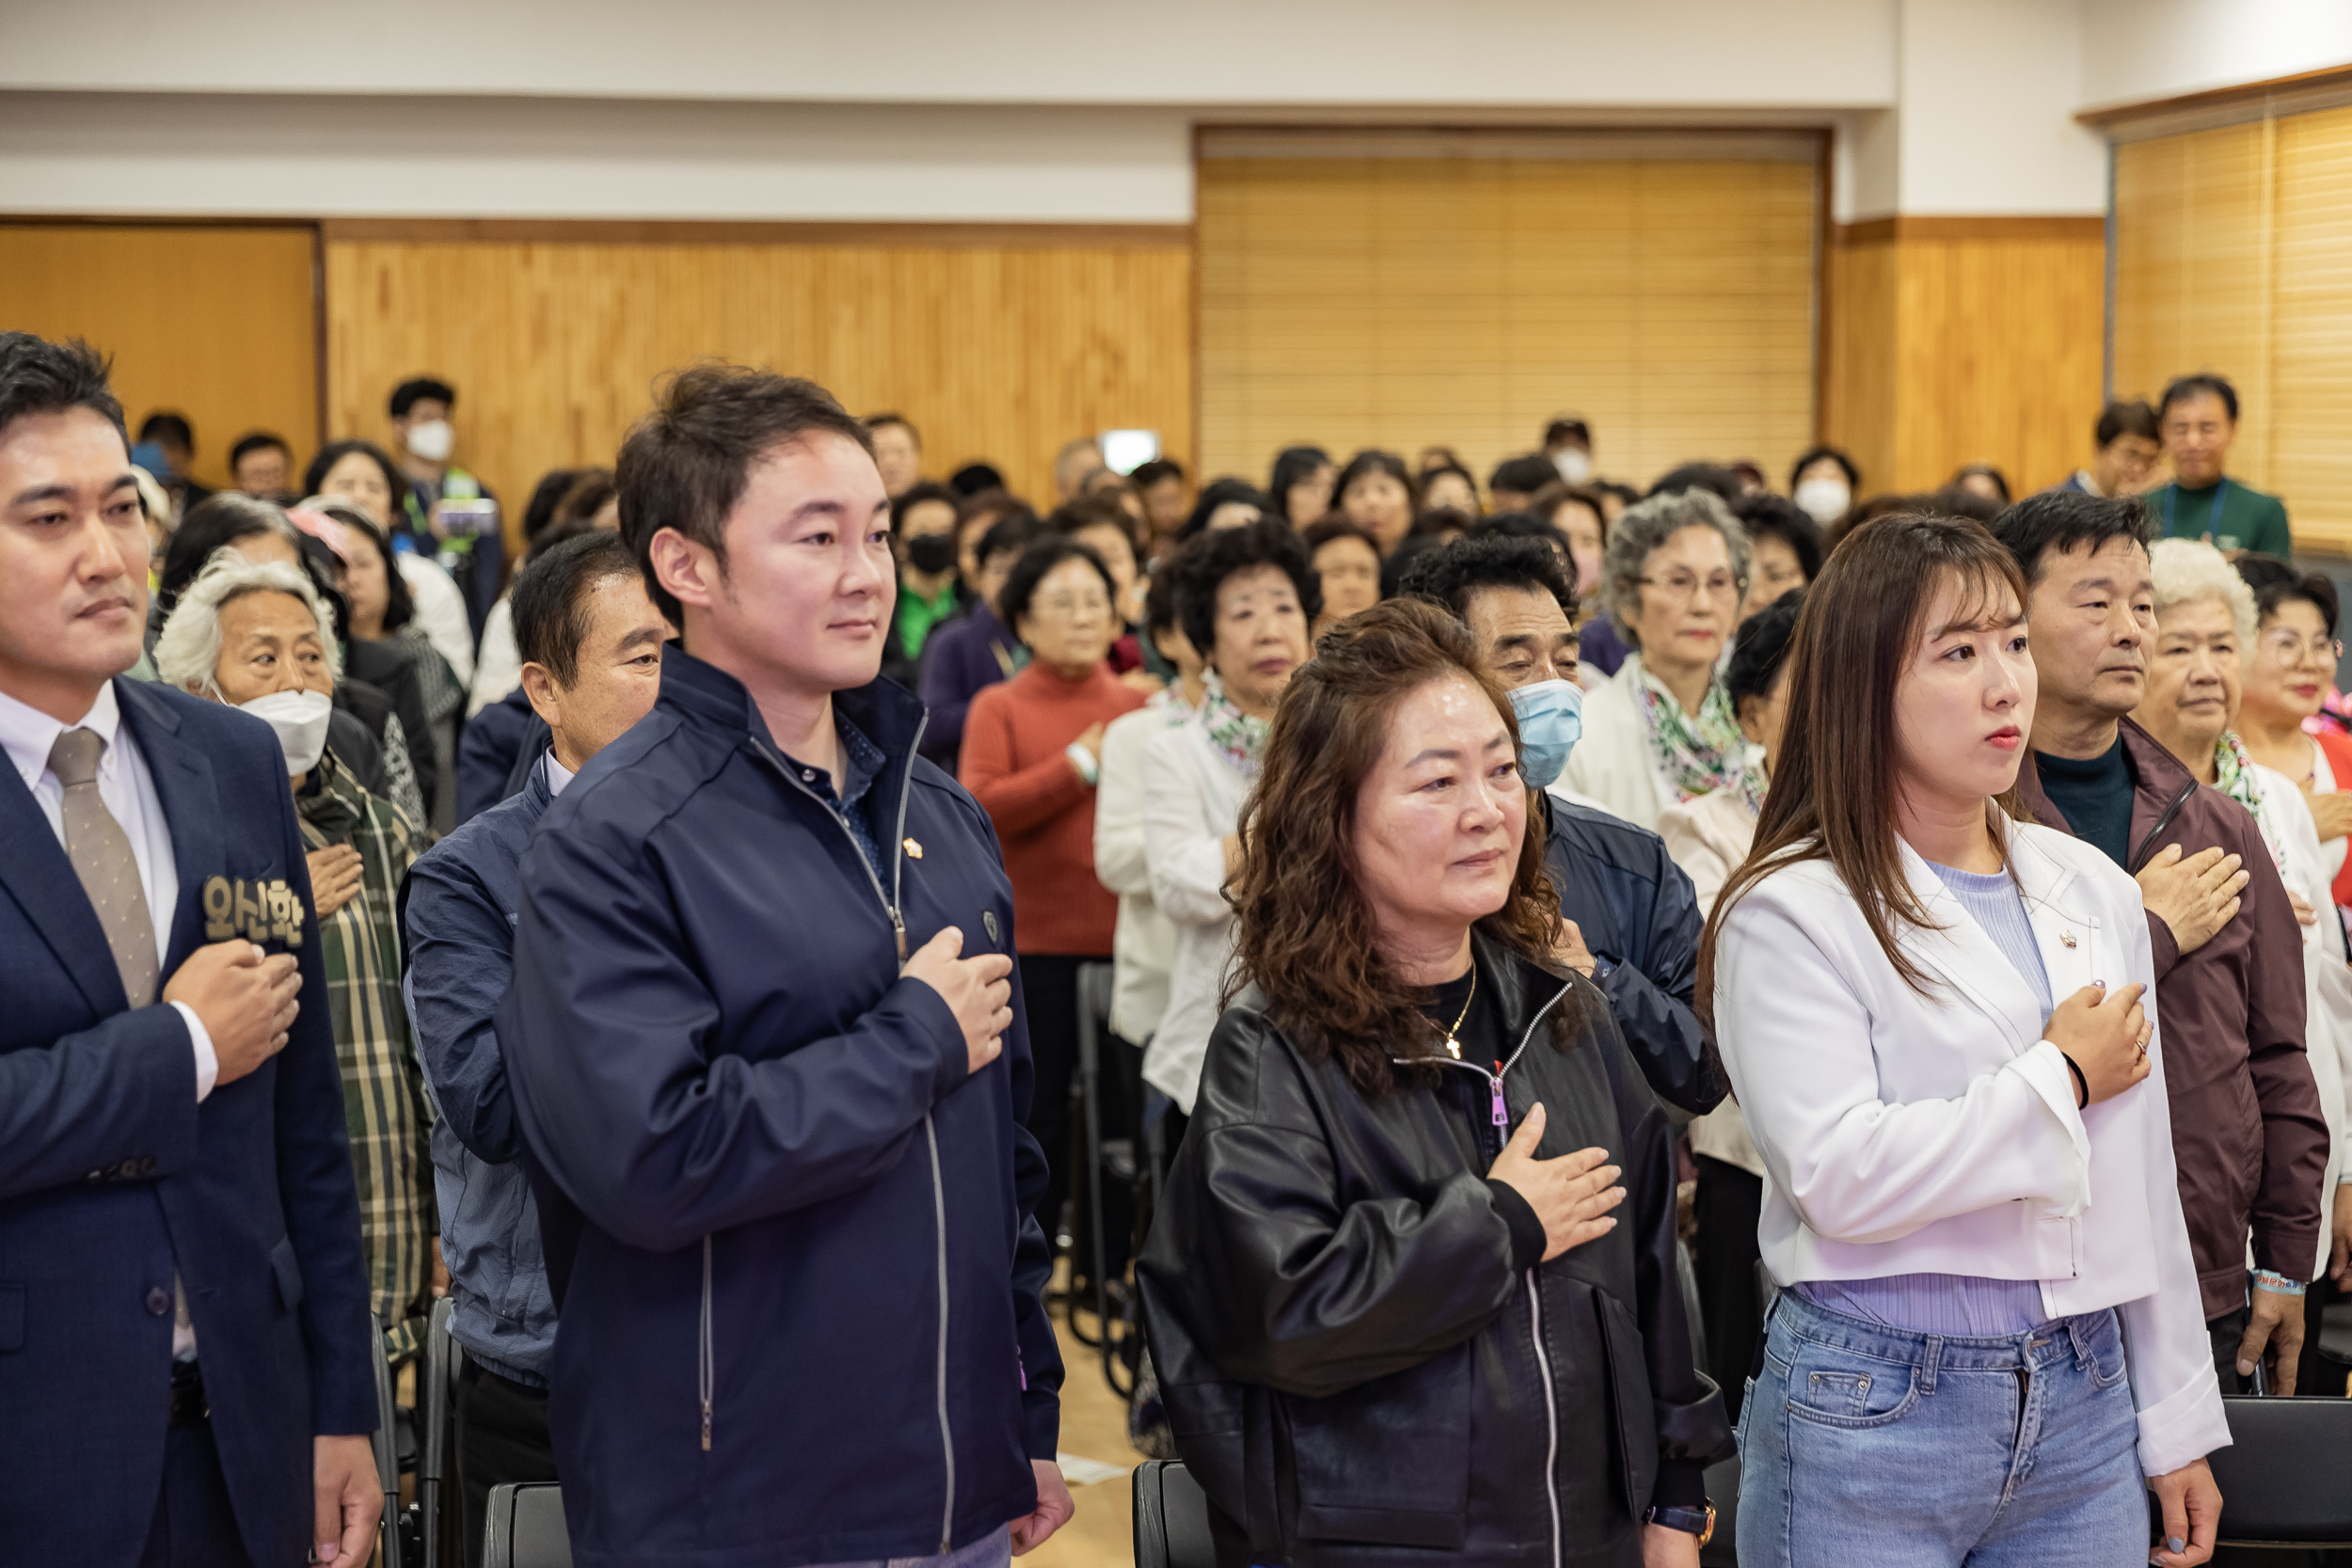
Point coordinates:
[[1709, 836], [1192, 798], [1614, 761], [1937, 1134], [1143, 947]]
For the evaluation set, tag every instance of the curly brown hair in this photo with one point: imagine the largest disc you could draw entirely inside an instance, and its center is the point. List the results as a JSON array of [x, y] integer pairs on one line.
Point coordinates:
[[1304, 930]]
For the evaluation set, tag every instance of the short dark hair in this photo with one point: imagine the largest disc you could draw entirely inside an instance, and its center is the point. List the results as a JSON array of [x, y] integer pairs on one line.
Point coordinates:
[[1765, 515], [1044, 553], [1520, 523], [1158, 469], [1336, 526], [1570, 429], [2118, 420], [1957, 500], [917, 494], [38, 376], [1205, 564], [1811, 455], [1009, 534], [166, 425], [1984, 470], [1292, 466], [416, 389], [987, 508], [550, 603], [1159, 600], [875, 421], [335, 451], [258, 440], [1441, 520], [539, 514], [219, 519], [1525, 475], [2069, 520], [974, 479], [1095, 509], [1453, 576], [1223, 492], [2275, 582], [1699, 476], [683, 466], [1545, 503], [2184, 386], [1373, 460], [1763, 649]]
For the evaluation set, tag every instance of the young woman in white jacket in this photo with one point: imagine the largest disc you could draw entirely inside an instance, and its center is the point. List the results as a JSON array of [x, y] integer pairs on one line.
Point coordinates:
[[1936, 1021]]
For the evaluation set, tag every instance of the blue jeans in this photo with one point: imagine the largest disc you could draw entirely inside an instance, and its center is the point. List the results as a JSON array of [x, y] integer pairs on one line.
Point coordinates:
[[1862, 1444]]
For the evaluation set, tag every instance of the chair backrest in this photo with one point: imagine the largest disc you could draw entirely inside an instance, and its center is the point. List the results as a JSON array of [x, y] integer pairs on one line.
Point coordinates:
[[525, 1527], [1171, 1517], [2286, 1477]]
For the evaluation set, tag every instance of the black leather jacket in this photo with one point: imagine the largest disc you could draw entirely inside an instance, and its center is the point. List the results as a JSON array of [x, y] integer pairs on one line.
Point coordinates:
[[1639, 914], [1355, 1355]]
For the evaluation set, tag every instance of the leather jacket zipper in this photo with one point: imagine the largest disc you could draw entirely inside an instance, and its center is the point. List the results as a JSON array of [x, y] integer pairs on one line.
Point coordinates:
[[1534, 1289]]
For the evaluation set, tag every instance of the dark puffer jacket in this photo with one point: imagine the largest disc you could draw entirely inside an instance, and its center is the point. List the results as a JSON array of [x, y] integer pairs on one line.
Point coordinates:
[[1355, 1355]]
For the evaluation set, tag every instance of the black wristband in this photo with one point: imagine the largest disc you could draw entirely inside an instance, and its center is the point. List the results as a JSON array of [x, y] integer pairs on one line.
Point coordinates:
[[1528, 1241], [2082, 1084]]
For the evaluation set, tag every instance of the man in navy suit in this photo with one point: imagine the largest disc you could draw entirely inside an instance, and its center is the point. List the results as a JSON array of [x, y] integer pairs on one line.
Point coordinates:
[[186, 1369]]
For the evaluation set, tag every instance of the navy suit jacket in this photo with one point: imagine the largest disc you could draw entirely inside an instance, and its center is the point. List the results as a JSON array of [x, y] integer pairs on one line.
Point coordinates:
[[111, 1174]]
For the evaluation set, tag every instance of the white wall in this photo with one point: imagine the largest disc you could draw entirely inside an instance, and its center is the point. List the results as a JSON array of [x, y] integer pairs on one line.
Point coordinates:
[[1986, 92], [1218, 53], [184, 154], [2135, 50]]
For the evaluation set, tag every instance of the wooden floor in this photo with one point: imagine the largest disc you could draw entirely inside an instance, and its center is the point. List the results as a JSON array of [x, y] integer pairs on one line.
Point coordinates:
[[1093, 1426]]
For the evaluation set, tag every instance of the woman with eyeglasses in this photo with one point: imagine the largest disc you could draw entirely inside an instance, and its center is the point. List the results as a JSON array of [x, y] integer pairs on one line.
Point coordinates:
[[2288, 672], [1662, 730]]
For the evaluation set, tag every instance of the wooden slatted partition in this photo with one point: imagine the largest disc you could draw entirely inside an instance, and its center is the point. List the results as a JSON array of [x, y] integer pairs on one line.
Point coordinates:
[[999, 347], [1461, 290], [2233, 253]]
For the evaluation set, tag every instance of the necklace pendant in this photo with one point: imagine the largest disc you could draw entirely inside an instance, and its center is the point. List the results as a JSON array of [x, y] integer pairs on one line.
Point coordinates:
[[1453, 1046]]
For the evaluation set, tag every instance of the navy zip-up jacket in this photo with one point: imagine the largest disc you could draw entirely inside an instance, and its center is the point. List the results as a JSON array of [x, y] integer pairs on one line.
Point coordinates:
[[801, 1317]]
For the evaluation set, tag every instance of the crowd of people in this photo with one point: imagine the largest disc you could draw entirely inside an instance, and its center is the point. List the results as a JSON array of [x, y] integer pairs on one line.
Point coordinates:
[[1529, 908]]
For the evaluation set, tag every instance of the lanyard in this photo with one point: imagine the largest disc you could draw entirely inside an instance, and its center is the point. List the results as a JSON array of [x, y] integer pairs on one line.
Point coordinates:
[[2220, 490]]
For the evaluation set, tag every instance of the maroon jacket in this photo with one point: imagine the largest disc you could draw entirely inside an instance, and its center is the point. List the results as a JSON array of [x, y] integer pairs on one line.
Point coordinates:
[[2248, 1133]]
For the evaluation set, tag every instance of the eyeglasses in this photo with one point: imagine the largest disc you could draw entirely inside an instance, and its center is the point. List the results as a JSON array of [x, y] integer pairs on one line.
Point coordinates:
[[1681, 586], [1064, 607], [2291, 647]]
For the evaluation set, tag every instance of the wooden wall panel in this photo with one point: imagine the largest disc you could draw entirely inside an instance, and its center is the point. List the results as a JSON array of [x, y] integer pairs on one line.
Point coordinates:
[[1000, 352], [1957, 341], [218, 323], [1402, 301], [2233, 253]]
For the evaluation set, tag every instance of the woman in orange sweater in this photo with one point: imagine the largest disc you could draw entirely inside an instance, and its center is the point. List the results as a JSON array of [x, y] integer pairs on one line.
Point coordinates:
[[1032, 750]]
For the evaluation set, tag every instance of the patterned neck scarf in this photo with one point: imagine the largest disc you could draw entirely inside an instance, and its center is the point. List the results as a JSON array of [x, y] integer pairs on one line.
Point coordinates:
[[1697, 755], [1239, 739], [2233, 775]]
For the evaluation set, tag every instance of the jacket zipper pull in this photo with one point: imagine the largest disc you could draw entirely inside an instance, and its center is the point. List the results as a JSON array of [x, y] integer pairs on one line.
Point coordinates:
[[1502, 1116], [706, 1426], [898, 929]]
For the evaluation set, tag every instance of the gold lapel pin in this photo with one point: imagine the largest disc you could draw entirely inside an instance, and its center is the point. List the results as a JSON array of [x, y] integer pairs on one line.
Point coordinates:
[[2066, 938], [915, 852]]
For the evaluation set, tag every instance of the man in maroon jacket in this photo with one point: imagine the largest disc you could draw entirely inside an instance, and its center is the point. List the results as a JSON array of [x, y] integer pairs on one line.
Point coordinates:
[[2248, 1132]]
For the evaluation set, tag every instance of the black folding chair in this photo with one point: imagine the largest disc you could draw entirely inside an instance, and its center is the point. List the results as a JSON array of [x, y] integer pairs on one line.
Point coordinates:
[[437, 1397], [1108, 1160], [1171, 1515], [525, 1527], [387, 1444], [2286, 1477]]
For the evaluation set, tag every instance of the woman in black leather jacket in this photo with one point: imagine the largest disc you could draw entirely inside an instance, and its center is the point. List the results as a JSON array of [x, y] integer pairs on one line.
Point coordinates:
[[1393, 1315]]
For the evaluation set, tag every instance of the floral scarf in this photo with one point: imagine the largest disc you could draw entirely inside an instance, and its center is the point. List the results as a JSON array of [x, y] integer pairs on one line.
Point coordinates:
[[2233, 775], [1695, 755], [1239, 739]]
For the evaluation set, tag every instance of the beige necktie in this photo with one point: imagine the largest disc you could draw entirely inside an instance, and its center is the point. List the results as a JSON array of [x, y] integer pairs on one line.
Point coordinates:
[[109, 874]]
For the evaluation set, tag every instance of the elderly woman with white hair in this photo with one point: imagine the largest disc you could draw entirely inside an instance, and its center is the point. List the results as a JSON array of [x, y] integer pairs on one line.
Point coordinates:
[[258, 637], [1662, 730], [2205, 623]]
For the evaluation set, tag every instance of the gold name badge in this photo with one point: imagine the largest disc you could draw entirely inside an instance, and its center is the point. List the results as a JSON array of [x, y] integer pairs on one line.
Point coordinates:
[[259, 912]]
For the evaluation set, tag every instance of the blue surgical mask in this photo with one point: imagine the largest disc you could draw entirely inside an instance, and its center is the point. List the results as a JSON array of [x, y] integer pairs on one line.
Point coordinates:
[[1552, 720]]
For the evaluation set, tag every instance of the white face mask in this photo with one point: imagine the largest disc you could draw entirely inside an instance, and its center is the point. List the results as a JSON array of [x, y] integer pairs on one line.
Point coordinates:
[[300, 719], [1824, 500], [1574, 464], [431, 441]]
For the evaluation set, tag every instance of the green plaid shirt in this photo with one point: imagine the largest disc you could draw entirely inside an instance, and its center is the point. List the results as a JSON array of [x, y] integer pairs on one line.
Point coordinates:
[[384, 1105]]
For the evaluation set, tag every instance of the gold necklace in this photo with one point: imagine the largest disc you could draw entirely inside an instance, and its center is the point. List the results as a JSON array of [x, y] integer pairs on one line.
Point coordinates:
[[1452, 1036]]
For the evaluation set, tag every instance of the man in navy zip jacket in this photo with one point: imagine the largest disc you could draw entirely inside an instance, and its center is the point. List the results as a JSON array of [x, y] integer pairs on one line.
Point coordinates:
[[767, 1055]]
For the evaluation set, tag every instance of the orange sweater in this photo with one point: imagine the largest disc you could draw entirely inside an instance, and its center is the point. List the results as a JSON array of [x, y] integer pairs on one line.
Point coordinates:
[[1014, 740]]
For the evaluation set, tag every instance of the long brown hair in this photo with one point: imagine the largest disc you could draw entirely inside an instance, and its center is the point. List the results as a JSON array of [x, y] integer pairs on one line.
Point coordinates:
[[1304, 933], [1832, 790]]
